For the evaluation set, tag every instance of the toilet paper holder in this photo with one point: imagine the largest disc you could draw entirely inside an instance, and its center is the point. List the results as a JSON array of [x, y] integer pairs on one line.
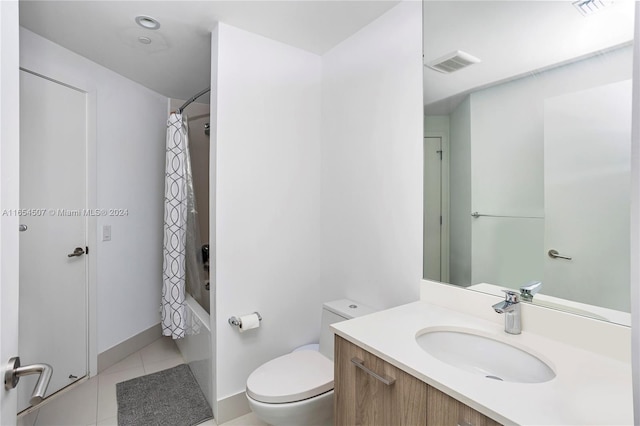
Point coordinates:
[[237, 322]]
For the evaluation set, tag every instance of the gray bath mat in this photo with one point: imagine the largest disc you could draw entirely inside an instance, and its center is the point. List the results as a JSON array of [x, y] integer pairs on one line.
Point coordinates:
[[169, 397]]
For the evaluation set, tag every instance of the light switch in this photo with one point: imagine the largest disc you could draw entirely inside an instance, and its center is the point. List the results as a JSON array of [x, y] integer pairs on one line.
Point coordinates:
[[106, 233]]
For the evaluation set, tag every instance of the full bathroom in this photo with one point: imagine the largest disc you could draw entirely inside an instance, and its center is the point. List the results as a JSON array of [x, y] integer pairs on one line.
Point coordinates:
[[360, 223]]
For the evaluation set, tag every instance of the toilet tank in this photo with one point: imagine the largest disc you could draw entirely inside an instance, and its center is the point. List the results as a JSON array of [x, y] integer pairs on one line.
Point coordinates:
[[337, 311]]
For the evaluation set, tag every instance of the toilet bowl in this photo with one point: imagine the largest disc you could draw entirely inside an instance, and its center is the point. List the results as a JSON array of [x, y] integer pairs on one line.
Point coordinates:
[[294, 389], [297, 388]]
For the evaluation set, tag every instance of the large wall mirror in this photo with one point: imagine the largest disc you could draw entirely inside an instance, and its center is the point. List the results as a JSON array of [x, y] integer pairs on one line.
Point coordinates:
[[527, 150]]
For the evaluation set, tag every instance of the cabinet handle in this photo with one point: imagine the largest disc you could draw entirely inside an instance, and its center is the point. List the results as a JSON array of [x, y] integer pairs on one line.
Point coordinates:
[[384, 379]]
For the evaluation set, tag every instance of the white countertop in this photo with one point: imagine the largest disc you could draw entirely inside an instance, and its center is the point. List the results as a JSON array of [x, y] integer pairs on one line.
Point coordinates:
[[589, 389]]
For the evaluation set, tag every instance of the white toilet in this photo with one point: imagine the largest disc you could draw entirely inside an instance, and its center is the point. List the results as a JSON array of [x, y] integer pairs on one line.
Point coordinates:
[[297, 388]]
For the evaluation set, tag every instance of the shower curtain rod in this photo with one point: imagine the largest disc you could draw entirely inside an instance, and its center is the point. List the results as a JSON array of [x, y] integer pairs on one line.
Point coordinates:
[[179, 110]]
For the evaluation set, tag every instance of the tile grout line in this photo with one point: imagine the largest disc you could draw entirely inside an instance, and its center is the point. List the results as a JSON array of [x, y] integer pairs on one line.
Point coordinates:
[[145, 361], [110, 415], [144, 366], [97, 395]]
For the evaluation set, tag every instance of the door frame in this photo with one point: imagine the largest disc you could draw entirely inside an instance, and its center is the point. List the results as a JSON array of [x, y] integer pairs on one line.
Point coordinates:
[[66, 79], [9, 194], [445, 200]]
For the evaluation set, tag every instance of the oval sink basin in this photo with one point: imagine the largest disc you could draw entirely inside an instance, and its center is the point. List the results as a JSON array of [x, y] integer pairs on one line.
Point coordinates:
[[485, 356]]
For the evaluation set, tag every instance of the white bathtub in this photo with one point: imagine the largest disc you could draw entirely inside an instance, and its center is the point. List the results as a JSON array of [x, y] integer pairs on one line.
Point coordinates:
[[196, 347]]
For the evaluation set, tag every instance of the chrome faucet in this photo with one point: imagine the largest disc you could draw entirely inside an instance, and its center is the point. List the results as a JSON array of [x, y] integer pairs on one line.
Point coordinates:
[[528, 290], [510, 307]]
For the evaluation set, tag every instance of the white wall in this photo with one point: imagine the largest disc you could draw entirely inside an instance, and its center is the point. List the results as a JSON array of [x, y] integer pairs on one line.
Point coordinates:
[[635, 224], [437, 124], [587, 143], [130, 125], [460, 195], [507, 123], [267, 211], [289, 124], [372, 161]]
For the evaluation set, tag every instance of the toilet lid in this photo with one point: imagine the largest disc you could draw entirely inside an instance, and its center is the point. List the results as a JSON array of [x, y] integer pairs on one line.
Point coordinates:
[[291, 377]]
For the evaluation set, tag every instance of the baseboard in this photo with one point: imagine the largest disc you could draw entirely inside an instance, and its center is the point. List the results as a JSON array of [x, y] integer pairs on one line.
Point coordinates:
[[231, 407], [122, 350]]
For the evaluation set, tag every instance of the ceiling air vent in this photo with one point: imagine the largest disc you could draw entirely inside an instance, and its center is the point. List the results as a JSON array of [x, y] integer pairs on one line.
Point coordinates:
[[453, 61], [588, 7]]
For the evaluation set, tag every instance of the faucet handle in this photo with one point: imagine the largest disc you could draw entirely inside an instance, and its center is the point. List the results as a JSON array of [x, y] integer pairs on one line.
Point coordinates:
[[511, 296], [528, 290]]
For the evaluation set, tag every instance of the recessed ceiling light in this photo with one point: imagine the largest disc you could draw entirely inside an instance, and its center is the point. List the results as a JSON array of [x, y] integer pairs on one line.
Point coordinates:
[[144, 40], [147, 22]]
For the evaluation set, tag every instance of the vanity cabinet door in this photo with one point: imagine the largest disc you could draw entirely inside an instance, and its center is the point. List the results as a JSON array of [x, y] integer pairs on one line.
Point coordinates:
[[446, 411], [363, 398]]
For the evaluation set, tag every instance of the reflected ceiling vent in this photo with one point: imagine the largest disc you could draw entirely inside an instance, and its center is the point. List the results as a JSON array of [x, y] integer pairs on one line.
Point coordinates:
[[453, 61], [589, 7]]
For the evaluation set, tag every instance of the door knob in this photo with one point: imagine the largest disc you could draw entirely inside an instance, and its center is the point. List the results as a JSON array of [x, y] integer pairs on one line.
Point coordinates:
[[554, 254], [78, 251], [14, 371]]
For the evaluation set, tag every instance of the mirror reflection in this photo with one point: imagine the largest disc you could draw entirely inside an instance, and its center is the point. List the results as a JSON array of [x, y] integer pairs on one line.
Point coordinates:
[[527, 150]]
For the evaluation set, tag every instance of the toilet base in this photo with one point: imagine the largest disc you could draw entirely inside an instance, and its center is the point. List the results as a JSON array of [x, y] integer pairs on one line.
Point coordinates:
[[316, 411]]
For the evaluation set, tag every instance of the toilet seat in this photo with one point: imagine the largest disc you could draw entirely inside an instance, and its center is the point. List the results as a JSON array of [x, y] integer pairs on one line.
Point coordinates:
[[292, 377]]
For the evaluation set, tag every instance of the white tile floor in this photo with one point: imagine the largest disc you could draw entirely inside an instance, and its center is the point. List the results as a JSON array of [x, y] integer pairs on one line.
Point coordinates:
[[93, 403]]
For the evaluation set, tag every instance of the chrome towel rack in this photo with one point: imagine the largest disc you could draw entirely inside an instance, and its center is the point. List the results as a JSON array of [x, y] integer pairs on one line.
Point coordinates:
[[477, 215]]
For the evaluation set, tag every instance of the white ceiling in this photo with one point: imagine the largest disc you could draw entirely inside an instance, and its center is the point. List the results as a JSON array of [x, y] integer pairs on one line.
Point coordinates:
[[512, 38], [177, 62]]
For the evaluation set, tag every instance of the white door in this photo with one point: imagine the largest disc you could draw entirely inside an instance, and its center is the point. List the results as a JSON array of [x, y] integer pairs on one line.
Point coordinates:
[[53, 266], [432, 208], [9, 134], [587, 148]]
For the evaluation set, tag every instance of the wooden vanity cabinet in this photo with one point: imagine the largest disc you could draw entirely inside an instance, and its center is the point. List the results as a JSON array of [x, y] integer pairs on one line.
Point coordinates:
[[362, 399], [372, 392], [445, 410]]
